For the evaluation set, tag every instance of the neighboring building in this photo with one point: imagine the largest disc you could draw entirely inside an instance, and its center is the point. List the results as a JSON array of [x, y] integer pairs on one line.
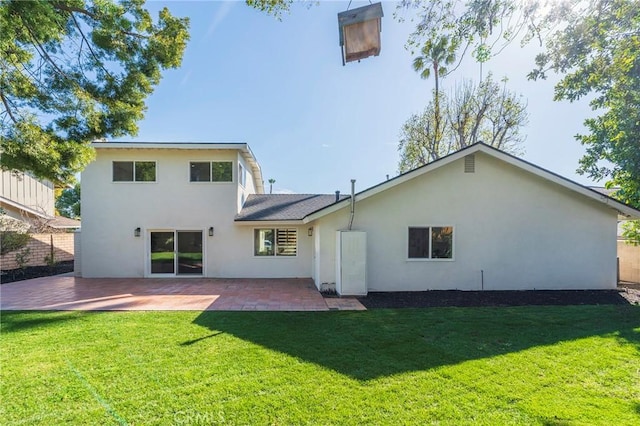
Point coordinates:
[[29, 204], [24, 197], [476, 219], [30, 200]]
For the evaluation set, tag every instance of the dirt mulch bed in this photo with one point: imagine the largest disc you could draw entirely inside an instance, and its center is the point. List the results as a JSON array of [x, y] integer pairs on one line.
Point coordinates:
[[444, 298], [30, 272]]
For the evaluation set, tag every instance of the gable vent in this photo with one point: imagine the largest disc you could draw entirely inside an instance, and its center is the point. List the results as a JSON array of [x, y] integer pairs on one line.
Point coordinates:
[[470, 164]]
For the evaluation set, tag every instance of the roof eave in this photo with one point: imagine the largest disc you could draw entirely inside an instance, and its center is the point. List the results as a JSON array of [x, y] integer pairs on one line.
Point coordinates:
[[255, 167], [291, 222], [24, 208], [169, 145]]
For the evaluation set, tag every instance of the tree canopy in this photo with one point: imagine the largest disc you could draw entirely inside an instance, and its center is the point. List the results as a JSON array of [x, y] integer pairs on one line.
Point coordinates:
[[486, 112], [595, 46], [72, 71], [68, 202]]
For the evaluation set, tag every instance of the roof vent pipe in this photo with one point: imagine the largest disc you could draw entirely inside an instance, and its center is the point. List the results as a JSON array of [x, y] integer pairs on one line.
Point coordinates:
[[337, 196], [353, 202]]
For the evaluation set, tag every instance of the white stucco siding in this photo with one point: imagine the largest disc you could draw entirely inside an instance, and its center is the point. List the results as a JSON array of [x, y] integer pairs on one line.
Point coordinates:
[[517, 230], [234, 257], [244, 188], [113, 210]]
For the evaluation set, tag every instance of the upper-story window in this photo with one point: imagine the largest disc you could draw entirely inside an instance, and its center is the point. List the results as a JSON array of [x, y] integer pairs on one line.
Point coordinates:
[[211, 171], [134, 171], [242, 176]]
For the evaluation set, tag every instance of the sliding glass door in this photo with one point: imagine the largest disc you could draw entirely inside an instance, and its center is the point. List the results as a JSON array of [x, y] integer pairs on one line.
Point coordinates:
[[189, 252], [163, 253], [176, 252]]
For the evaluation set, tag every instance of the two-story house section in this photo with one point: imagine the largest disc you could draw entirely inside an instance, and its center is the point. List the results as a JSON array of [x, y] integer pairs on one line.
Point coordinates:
[[169, 209]]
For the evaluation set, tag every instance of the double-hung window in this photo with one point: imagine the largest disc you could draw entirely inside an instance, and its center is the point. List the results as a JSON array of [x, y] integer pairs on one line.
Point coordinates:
[[275, 242], [134, 171], [430, 242], [211, 171]]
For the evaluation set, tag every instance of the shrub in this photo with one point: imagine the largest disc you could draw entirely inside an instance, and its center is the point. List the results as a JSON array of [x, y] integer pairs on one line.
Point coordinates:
[[12, 241]]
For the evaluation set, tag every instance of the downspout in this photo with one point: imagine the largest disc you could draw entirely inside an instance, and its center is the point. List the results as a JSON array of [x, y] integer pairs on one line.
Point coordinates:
[[353, 202]]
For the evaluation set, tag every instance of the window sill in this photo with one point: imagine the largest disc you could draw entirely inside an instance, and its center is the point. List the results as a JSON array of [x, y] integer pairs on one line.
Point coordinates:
[[133, 181], [430, 260], [275, 257]]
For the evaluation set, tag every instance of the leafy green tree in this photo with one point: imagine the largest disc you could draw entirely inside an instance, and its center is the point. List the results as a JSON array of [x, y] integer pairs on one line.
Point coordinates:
[[68, 202], [272, 7], [72, 71], [486, 112], [595, 45]]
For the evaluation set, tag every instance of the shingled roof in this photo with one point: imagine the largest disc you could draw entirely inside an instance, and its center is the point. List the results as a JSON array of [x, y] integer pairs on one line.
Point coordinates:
[[266, 207]]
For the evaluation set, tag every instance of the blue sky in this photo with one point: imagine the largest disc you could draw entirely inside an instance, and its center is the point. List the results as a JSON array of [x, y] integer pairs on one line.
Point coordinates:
[[312, 123]]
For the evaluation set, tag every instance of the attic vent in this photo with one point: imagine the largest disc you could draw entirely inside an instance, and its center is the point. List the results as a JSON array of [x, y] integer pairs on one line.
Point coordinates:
[[470, 164]]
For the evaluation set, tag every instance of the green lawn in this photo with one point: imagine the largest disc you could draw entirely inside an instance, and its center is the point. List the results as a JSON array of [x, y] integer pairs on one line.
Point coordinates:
[[494, 366]]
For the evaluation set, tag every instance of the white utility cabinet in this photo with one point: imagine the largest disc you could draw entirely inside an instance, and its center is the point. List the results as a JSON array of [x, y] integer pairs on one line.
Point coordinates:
[[351, 263]]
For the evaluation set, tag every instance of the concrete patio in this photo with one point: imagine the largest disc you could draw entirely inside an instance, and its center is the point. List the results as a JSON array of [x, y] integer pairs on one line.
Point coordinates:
[[168, 294]]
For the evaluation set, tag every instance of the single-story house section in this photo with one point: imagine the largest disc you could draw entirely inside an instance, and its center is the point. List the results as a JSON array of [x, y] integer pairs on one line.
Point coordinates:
[[478, 219]]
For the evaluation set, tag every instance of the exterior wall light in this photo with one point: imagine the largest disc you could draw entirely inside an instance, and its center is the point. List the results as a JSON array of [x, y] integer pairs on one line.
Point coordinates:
[[310, 232], [136, 232], [211, 231]]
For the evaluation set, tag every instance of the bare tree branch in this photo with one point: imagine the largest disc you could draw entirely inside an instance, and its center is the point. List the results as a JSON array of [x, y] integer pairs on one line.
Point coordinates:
[[5, 101], [42, 51], [84, 38], [71, 9]]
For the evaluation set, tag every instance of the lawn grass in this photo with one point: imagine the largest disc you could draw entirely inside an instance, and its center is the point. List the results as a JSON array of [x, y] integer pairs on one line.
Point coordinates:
[[521, 365]]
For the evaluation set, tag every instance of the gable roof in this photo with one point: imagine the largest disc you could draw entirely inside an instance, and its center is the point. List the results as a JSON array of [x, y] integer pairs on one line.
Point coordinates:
[[621, 208], [281, 207], [243, 148]]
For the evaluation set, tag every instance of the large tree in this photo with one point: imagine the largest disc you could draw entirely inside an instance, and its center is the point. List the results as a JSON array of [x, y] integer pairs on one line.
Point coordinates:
[[595, 46], [446, 31], [486, 112], [68, 202], [72, 71]]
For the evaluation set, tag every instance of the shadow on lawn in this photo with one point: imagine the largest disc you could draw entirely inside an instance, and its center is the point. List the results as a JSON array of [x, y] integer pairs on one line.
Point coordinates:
[[14, 321], [371, 344]]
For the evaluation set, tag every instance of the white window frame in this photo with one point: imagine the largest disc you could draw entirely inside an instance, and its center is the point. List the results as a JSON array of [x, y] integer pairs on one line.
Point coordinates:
[[210, 181], [134, 171], [198, 182], [242, 174], [432, 259], [275, 254]]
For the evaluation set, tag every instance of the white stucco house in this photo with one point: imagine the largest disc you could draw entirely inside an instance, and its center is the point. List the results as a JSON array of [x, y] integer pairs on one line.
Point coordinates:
[[478, 219]]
